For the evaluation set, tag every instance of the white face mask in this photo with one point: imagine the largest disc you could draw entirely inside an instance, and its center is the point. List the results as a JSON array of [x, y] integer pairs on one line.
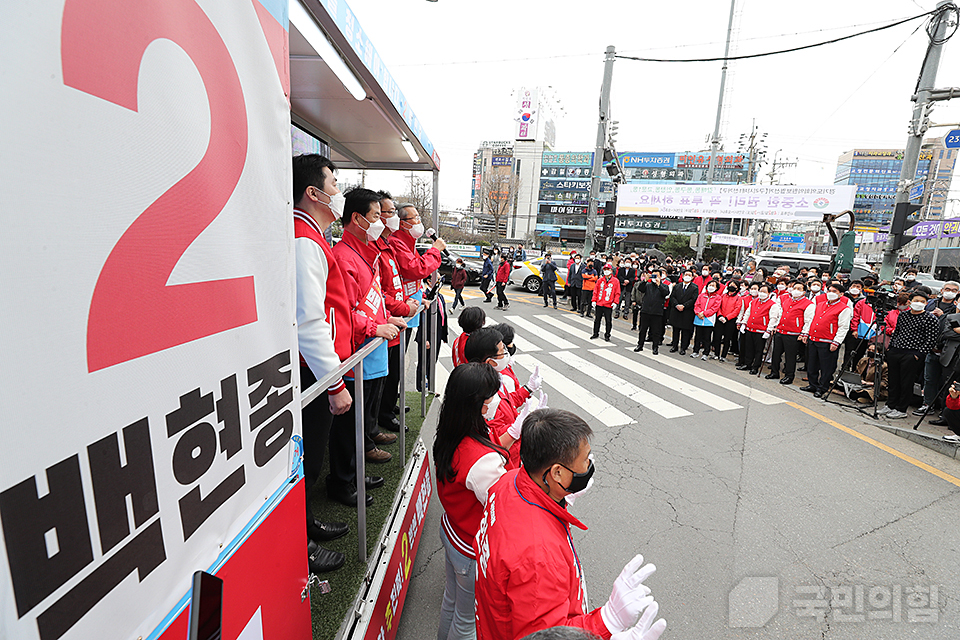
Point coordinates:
[[832, 295], [490, 411], [949, 295], [754, 293], [854, 292], [499, 364], [607, 272], [711, 289], [576, 261], [763, 295], [796, 293], [815, 289], [392, 223], [687, 278], [743, 290], [416, 230], [781, 287], [918, 306], [911, 277], [337, 202], [374, 230]]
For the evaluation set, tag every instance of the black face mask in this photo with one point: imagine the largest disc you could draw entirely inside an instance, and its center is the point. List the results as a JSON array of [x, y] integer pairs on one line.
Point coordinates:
[[579, 481], [512, 349]]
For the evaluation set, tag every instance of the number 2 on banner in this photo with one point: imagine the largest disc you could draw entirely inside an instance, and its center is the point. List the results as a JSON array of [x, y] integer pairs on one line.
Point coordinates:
[[134, 312]]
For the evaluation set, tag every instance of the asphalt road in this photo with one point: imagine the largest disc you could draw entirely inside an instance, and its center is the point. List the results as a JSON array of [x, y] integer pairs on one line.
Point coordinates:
[[768, 513]]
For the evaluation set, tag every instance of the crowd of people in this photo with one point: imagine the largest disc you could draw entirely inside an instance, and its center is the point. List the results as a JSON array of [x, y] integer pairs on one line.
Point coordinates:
[[369, 285]]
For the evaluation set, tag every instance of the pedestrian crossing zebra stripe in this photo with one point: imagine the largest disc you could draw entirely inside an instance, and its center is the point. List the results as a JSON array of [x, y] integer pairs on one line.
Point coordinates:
[[640, 396], [533, 329], [698, 372], [676, 384], [519, 341], [593, 405], [555, 321]]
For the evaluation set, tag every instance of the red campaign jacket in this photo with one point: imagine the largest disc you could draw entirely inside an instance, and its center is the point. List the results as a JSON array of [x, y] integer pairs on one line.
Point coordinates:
[[791, 319], [707, 304], [827, 325], [391, 284], [503, 272], [413, 266], [461, 506], [861, 311], [359, 263], [606, 293], [759, 314], [730, 306], [507, 412], [456, 351], [529, 576]]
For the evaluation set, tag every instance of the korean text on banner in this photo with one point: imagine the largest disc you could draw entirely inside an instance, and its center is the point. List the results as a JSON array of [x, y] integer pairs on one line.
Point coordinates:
[[151, 385], [769, 202]]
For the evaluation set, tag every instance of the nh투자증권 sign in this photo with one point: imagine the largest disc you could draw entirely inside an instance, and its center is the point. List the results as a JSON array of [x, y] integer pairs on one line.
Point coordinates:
[[151, 380], [735, 201]]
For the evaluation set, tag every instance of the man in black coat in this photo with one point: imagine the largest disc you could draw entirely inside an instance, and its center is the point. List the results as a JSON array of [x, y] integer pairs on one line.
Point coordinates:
[[682, 299], [548, 280], [655, 292], [575, 281]]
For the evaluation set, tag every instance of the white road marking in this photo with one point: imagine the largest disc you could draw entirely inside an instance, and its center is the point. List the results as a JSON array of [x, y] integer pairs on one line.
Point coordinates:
[[540, 332], [594, 406], [640, 396]]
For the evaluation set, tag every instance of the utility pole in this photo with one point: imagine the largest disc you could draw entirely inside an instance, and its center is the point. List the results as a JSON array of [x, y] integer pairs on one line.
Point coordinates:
[[919, 123], [715, 140], [591, 229]]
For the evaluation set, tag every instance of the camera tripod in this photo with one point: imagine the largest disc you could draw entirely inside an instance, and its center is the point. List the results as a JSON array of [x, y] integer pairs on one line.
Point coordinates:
[[878, 326]]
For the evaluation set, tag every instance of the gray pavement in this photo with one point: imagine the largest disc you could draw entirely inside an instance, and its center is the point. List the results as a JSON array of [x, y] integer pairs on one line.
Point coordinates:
[[768, 513]]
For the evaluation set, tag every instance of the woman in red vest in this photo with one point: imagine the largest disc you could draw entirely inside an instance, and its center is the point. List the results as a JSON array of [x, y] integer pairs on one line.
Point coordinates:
[[755, 324], [788, 317]]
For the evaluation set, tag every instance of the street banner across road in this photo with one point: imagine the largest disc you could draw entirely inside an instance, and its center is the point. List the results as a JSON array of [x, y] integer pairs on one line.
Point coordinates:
[[727, 238], [768, 202]]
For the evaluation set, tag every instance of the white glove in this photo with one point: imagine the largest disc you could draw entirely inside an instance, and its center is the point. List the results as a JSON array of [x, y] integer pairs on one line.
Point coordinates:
[[766, 334], [536, 380], [571, 498], [629, 596], [593, 304], [514, 430], [543, 400], [646, 629]]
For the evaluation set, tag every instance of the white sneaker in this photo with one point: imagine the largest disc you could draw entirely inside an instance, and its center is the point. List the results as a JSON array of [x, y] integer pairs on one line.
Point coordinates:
[[695, 354], [952, 437], [704, 358], [896, 414], [884, 410]]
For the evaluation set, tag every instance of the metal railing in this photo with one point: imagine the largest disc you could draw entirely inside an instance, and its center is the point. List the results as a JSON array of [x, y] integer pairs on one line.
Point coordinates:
[[355, 362]]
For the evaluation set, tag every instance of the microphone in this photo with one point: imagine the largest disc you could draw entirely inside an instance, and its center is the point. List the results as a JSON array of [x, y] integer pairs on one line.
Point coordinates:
[[432, 234]]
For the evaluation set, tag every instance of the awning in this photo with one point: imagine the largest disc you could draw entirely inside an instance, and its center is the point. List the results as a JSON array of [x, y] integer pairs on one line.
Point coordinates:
[[341, 91]]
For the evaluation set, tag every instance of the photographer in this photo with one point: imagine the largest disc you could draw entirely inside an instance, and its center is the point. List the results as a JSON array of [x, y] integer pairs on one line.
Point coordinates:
[[655, 293], [933, 377], [914, 337]]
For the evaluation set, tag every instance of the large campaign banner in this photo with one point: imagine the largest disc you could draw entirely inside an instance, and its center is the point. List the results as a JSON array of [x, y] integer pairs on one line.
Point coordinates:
[[150, 379], [766, 202]]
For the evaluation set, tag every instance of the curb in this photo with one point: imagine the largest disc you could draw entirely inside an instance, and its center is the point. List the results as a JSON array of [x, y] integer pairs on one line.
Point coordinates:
[[948, 449]]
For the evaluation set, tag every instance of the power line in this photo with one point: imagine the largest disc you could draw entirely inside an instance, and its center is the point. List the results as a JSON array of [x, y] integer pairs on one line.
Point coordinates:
[[792, 49]]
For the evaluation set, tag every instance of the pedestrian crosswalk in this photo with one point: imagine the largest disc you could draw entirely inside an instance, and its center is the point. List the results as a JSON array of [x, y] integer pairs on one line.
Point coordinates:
[[608, 382]]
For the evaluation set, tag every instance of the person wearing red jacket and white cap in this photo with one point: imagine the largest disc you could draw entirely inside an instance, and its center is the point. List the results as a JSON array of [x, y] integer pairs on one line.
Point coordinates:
[[606, 293], [529, 575], [823, 336], [788, 317]]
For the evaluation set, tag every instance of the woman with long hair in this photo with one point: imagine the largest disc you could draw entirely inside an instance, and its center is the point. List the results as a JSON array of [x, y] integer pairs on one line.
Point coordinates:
[[467, 463]]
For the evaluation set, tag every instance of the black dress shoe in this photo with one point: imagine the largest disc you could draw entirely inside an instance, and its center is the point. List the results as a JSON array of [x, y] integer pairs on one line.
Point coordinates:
[[312, 547], [809, 388], [754, 372], [674, 349], [324, 560], [594, 336], [396, 410], [819, 394], [937, 422], [786, 380], [656, 351], [325, 531], [742, 367], [638, 348], [771, 376], [606, 338], [683, 352], [391, 425], [373, 482], [802, 368], [347, 497]]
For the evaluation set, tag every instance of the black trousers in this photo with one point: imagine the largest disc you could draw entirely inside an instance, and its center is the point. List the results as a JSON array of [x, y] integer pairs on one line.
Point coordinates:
[[457, 297], [605, 313], [723, 336], [391, 386], [681, 337], [902, 369], [317, 420], [485, 285], [574, 293], [549, 289], [822, 364], [652, 324], [785, 347], [372, 395], [586, 297], [701, 339], [501, 294], [430, 353], [343, 455], [752, 353], [853, 349]]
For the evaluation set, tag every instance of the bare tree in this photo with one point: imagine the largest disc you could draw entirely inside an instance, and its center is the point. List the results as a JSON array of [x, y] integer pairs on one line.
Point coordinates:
[[497, 194], [420, 195]]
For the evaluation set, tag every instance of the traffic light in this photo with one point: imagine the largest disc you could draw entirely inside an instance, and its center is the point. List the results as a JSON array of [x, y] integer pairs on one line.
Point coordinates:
[[609, 222], [901, 223]]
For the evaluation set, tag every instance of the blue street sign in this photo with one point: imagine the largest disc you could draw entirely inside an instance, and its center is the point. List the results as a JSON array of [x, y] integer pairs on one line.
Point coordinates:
[[952, 139], [916, 192], [787, 238]]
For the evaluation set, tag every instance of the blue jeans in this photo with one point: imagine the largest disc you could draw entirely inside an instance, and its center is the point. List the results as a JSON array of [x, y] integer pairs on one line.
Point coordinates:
[[458, 611], [932, 378]]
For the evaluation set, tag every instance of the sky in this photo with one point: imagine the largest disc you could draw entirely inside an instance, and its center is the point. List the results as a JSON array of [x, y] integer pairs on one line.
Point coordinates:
[[459, 62]]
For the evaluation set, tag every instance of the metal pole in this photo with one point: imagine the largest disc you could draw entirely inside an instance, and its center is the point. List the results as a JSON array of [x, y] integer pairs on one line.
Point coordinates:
[[918, 126], [436, 200], [936, 251], [591, 229], [715, 140], [421, 333], [361, 462], [402, 356], [432, 357]]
